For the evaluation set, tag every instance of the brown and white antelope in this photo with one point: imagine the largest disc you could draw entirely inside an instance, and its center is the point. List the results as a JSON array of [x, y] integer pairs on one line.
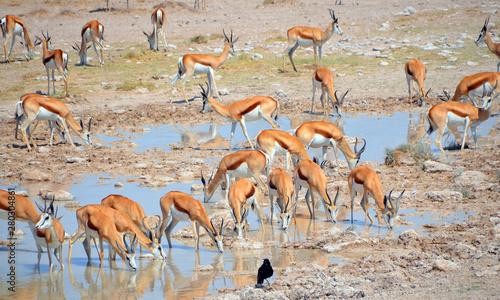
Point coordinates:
[[453, 114], [323, 79], [12, 26], [280, 185], [137, 215], [474, 85], [242, 111], [309, 175], [179, 206], [317, 134], [97, 225], [485, 37], [191, 64], [307, 36], [274, 141], [93, 32], [243, 196], [240, 164], [364, 180], [47, 108], [159, 20], [415, 72], [54, 60]]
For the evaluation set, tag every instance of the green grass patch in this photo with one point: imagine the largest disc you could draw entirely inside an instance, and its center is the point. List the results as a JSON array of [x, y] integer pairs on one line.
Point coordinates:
[[198, 39], [418, 152]]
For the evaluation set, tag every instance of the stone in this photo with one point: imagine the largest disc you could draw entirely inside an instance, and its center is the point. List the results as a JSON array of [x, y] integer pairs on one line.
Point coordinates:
[[59, 195], [72, 160], [142, 91], [434, 167], [444, 265], [472, 179], [442, 196], [257, 57], [223, 92], [73, 205], [196, 188], [141, 166], [35, 175]]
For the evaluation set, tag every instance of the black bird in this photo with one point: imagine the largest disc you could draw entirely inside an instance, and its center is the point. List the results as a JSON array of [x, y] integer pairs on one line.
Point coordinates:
[[265, 271]]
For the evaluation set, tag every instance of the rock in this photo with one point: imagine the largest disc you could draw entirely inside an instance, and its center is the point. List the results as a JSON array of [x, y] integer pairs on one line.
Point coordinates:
[[494, 220], [409, 10], [434, 166], [141, 166], [22, 193], [19, 232], [452, 59], [246, 244], [59, 195], [73, 206], [442, 196], [384, 63], [35, 175], [196, 188], [223, 92], [142, 91], [72, 160], [281, 93], [43, 150], [471, 63], [476, 180], [119, 185], [444, 265], [185, 174], [257, 57]]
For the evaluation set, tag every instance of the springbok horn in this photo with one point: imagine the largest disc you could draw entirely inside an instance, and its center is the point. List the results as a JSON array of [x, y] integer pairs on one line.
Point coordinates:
[[213, 227], [221, 226], [279, 205], [90, 123]]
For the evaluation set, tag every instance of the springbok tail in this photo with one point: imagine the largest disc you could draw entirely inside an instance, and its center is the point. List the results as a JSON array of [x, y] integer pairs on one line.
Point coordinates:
[[19, 109], [277, 112], [179, 73]]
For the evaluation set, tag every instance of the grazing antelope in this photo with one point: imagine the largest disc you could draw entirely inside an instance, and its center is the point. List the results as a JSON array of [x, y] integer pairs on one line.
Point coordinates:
[[137, 215], [98, 225], [364, 180], [197, 4], [454, 114], [309, 175], [191, 64], [485, 37], [92, 31], [240, 164], [415, 72], [474, 85], [317, 134], [52, 237], [243, 194], [323, 79], [273, 141], [54, 59], [250, 109], [307, 36], [179, 206], [280, 185], [12, 26], [48, 108], [159, 19]]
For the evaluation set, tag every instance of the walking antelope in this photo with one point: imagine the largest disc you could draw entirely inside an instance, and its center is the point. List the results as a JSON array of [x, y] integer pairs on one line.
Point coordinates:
[[309, 175], [240, 164], [280, 185], [454, 114], [364, 180], [477, 84], [415, 72], [243, 195], [54, 59], [48, 108], [485, 37], [53, 235], [97, 225], [317, 134], [137, 215], [12, 26], [323, 79], [92, 31], [179, 206], [250, 109], [273, 141], [191, 64], [307, 36], [159, 19]]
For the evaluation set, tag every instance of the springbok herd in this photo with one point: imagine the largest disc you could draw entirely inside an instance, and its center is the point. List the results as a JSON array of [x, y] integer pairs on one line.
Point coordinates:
[[122, 223]]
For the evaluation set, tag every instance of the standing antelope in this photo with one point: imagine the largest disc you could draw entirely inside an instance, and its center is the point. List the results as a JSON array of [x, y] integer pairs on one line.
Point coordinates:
[[485, 37], [415, 72], [364, 180], [92, 31], [454, 114], [159, 19], [307, 36], [243, 194], [179, 206], [240, 164], [274, 141], [53, 236], [55, 59], [309, 175], [191, 64], [12, 26], [97, 225], [48, 108], [323, 79], [250, 109], [137, 215], [280, 185], [317, 134], [477, 84]]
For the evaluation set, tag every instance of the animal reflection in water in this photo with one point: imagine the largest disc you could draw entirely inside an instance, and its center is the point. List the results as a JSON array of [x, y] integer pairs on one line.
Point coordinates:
[[206, 139]]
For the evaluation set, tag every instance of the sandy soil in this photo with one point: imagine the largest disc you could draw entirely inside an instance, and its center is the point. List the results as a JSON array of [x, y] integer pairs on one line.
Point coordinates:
[[453, 261]]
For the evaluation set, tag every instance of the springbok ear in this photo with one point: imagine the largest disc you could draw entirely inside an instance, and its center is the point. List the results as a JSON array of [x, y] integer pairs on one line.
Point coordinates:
[[145, 33], [81, 124]]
